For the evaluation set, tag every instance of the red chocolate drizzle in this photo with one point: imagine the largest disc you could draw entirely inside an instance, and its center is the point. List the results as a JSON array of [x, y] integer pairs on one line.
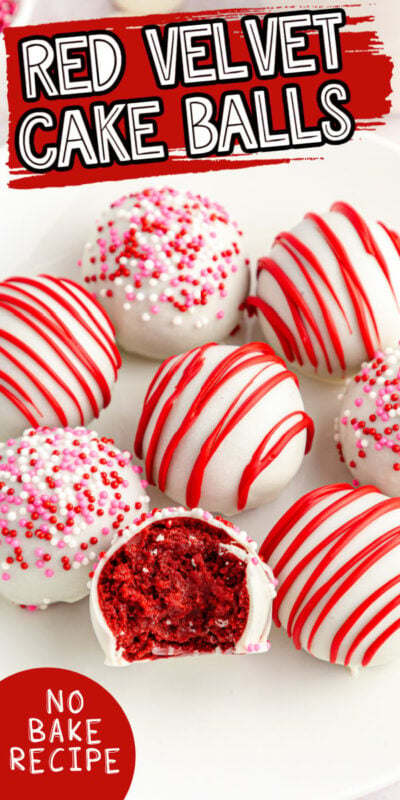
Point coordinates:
[[308, 264], [256, 355], [344, 578], [42, 317]]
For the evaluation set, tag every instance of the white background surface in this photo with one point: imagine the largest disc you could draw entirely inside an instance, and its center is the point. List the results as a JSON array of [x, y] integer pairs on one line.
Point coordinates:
[[296, 726]]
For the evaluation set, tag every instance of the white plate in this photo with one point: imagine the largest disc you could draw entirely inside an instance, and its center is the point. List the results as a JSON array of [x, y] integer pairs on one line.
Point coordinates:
[[282, 725]]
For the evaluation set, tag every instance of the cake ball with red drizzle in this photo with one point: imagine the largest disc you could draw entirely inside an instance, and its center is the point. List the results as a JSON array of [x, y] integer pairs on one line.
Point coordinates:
[[58, 357], [223, 427], [168, 267], [63, 494], [328, 294], [336, 556], [180, 583], [368, 426]]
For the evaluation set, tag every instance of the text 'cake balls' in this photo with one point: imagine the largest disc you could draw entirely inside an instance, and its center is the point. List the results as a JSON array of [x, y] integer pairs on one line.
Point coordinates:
[[336, 556], [180, 583], [64, 492], [328, 295], [168, 267], [368, 425], [223, 427], [58, 355]]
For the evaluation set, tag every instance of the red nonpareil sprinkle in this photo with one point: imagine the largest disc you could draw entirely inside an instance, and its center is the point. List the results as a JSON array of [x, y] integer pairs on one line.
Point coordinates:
[[152, 241], [65, 512]]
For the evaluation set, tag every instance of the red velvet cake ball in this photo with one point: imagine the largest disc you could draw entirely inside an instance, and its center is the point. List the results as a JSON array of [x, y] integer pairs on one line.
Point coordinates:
[[336, 555], [58, 357], [169, 269], [328, 294], [64, 492], [223, 427], [181, 583]]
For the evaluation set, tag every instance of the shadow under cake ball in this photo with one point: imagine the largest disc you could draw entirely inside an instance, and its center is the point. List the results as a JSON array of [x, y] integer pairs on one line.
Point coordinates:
[[168, 267], [64, 492], [336, 555], [328, 294], [223, 427], [58, 355], [368, 425], [180, 583]]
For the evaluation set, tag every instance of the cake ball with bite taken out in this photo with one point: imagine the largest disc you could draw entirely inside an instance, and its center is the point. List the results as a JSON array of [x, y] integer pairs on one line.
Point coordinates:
[[169, 269], [180, 583], [328, 294], [64, 492]]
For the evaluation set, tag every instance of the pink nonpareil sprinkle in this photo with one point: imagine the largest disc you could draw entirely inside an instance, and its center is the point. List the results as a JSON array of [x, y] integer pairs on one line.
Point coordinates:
[[8, 9]]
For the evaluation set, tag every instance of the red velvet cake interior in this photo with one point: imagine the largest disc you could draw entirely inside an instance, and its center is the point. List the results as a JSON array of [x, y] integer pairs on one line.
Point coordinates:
[[175, 588]]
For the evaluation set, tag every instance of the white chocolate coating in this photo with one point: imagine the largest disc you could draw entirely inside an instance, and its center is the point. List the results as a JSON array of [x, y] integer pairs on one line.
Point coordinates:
[[58, 357], [368, 426], [336, 556], [146, 7], [328, 295], [168, 268], [223, 427], [260, 585], [63, 493]]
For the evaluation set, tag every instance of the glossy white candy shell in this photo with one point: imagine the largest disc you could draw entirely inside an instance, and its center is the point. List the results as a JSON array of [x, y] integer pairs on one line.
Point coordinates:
[[224, 470], [386, 311], [12, 420], [382, 571], [148, 6], [170, 330], [31, 587]]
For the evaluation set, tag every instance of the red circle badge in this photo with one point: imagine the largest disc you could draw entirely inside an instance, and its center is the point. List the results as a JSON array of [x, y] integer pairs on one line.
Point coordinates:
[[63, 736]]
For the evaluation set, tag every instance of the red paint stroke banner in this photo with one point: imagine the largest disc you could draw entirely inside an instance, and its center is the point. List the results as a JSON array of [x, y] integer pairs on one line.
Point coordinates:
[[142, 96]]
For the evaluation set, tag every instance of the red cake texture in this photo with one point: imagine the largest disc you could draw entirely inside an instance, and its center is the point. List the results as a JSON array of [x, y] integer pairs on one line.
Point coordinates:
[[181, 583], [182, 590]]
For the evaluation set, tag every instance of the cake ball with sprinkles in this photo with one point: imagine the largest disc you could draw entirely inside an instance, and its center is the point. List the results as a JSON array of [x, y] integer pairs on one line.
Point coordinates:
[[64, 493], [368, 427], [8, 10], [169, 269]]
